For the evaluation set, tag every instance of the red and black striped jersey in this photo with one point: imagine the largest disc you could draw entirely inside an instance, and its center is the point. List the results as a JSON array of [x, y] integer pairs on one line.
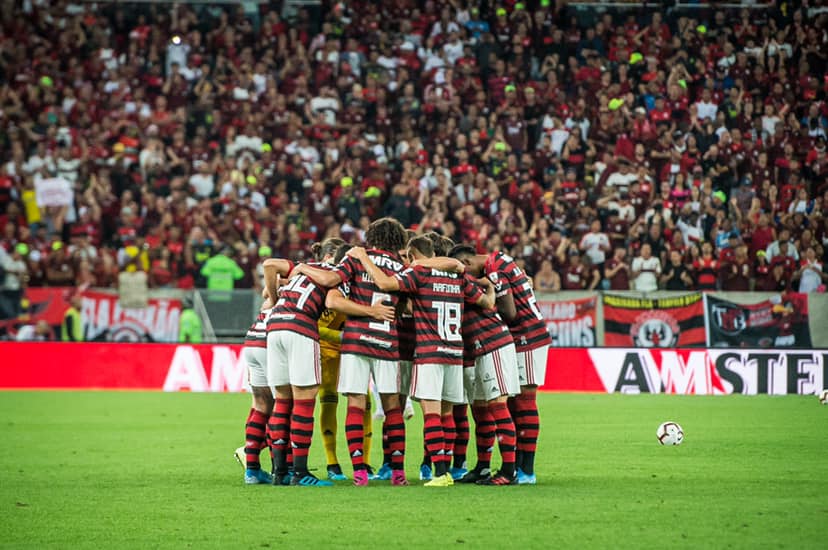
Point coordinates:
[[437, 300], [364, 335], [407, 336], [256, 336], [483, 332], [528, 328], [300, 305]]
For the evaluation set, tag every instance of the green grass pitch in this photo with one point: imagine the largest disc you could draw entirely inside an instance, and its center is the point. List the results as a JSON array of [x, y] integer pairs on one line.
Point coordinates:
[[141, 470]]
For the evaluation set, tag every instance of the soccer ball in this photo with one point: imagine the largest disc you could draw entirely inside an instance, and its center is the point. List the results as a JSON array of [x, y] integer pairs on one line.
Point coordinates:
[[823, 397], [670, 433]]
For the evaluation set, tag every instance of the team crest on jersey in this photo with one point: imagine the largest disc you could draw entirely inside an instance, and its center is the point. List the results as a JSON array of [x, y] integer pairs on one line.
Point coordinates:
[[655, 329]]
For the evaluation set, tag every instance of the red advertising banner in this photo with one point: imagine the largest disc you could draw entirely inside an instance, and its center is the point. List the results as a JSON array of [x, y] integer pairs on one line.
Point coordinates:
[[712, 371], [103, 317], [105, 320], [110, 366], [219, 368], [571, 323], [654, 322]]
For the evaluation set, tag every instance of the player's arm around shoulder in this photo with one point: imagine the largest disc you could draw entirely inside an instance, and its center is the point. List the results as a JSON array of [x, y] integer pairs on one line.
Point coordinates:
[[383, 281], [338, 302], [487, 299], [441, 263], [504, 299], [322, 277]]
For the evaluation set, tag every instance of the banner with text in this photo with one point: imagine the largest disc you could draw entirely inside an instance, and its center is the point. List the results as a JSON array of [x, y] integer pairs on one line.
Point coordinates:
[[654, 322], [687, 371], [570, 322], [105, 320], [119, 366], [781, 322]]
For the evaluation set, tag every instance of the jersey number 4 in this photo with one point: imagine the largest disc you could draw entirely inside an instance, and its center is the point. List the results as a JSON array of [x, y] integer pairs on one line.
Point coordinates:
[[302, 286]]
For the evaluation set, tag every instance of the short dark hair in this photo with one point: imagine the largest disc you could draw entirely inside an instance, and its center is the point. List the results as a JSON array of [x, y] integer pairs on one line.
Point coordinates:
[[442, 244], [461, 250], [327, 247], [341, 251], [386, 234], [423, 245]]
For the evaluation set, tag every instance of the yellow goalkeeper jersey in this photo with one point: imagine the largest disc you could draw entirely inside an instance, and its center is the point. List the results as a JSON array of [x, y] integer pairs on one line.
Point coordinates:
[[330, 332]]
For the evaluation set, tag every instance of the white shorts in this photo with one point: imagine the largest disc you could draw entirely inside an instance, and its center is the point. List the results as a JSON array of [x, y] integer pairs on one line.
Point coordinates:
[[256, 359], [532, 366], [405, 377], [437, 383], [496, 374], [469, 376], [292, 359], [356, 370]]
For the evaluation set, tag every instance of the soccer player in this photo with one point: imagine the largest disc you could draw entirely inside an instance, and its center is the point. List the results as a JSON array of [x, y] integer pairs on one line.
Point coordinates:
[[493, 378], [331, 323], [369, 348], [437, 299], [255, 355], [442, 246], [517, 305], [293, 366]]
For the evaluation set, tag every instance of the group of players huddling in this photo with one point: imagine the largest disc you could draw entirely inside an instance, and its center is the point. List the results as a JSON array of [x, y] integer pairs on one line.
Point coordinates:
[[424, 318]]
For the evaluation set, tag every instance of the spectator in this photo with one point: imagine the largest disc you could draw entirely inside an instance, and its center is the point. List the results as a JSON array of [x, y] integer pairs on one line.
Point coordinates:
[[221, 271], [617, 271], [71, 329], [59, 268], [676, 275], [241, 137], [547, 279], [189, 325], [810, 273], [645, 269], [39, 332], [14, 268]]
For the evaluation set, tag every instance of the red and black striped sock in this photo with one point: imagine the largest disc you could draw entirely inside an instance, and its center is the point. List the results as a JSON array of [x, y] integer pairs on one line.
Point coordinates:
[[354, 433], [394, 426], [434, 442], [505, 428], [527, 423], [511, 403], [386, 449], [461, 440], [426, 456], [301, 433], [484, 434], [254, 438], [449, 435], [279, 427]]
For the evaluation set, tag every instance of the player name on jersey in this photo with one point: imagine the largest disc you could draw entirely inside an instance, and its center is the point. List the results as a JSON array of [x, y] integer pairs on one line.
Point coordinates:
[[437, 300], [363, 335]]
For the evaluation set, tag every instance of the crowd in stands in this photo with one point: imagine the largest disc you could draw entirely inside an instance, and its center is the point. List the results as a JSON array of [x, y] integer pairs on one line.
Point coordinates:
[[643, 148]]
